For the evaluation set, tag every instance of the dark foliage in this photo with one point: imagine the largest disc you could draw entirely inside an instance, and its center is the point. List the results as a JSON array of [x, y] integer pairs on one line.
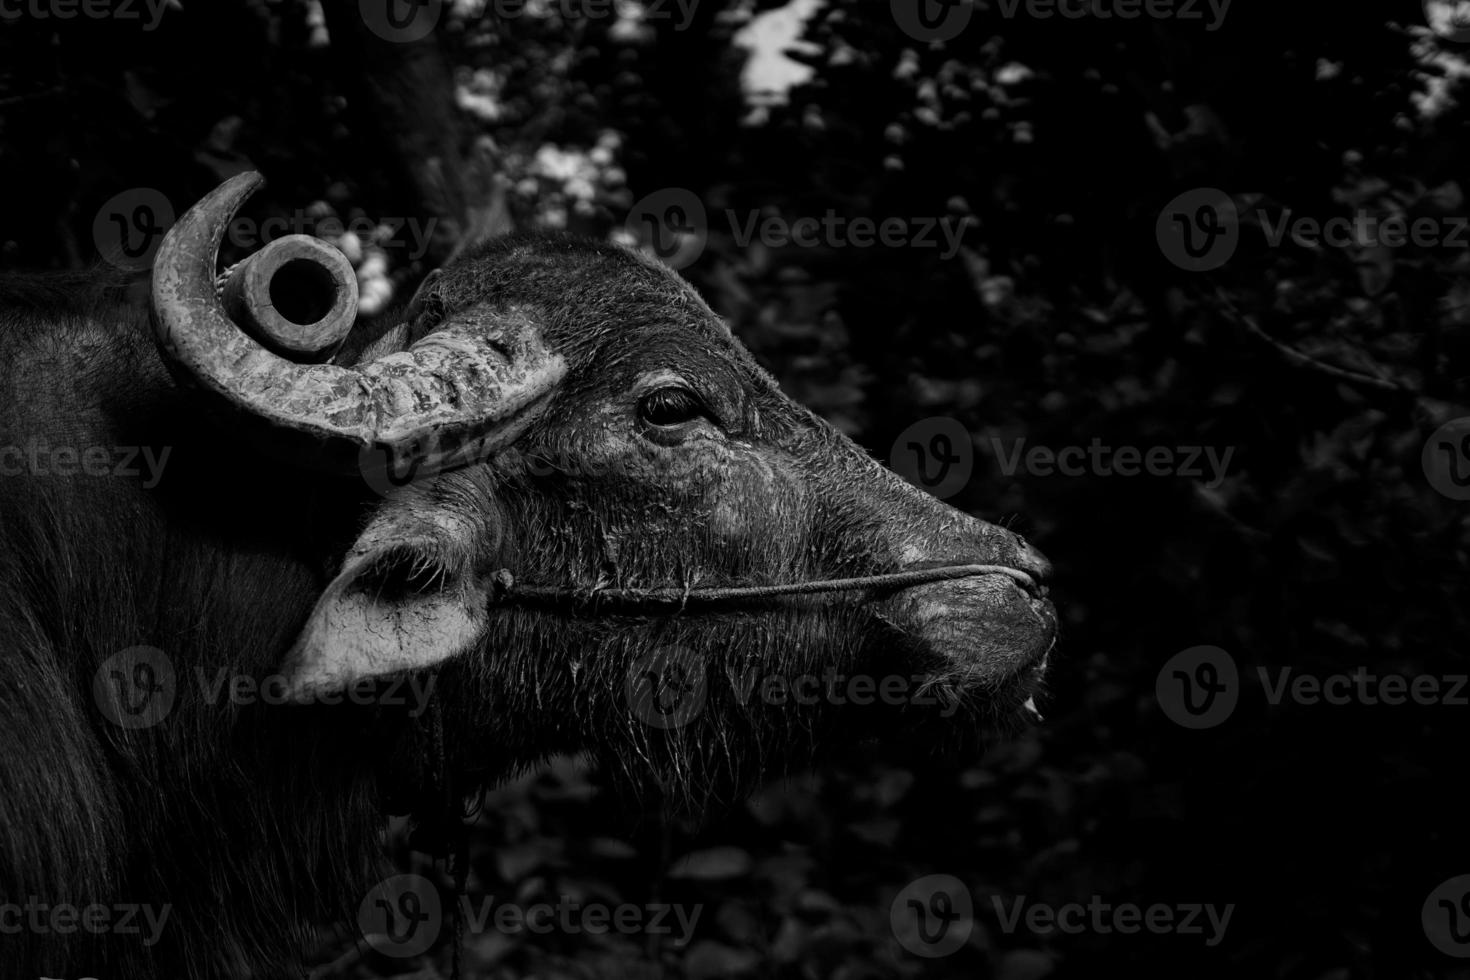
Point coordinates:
[[1323, 368]]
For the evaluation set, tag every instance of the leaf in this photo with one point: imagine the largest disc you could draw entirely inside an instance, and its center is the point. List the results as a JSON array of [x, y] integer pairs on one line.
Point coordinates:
[[787, 874], [516, 861], [614, 848], [1024, 964], [1446, 197], [738, 921], [713, 864], [893, 786], [882, 831], [708, 960]]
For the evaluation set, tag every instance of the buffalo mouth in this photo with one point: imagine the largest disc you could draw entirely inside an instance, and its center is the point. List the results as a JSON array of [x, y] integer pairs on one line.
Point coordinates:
[[984, 641]]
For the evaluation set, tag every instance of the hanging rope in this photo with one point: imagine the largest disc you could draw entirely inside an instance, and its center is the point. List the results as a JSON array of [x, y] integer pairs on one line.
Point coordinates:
[[455, 834]]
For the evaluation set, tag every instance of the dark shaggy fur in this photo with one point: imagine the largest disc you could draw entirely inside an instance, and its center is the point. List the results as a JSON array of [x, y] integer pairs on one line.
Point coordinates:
[[252, 823]]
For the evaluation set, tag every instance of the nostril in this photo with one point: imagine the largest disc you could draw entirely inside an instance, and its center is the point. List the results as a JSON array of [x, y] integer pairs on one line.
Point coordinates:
[[1031, 560]]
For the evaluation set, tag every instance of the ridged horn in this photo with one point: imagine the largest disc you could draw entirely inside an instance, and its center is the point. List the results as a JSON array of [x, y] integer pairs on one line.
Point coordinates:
[[456, 396], [297, 296]]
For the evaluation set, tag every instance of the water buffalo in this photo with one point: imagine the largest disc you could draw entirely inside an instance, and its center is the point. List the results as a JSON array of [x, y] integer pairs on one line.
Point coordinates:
[[557, 503]]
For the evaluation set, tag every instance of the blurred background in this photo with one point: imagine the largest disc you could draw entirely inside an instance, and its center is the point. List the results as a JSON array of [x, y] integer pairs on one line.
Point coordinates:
[[1121, 254]]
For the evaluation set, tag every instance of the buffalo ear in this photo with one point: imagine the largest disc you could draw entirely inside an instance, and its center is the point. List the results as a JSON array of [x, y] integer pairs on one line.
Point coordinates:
[[426, 299], [406, 598]]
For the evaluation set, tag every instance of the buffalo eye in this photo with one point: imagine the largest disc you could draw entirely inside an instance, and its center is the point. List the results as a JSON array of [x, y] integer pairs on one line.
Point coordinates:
[[668, 407]]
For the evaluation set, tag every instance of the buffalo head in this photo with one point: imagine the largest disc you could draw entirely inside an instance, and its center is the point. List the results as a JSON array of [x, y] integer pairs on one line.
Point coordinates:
[[557, 420]]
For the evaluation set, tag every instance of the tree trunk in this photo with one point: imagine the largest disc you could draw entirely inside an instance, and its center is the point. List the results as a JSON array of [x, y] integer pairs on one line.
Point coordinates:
[[401, 101]]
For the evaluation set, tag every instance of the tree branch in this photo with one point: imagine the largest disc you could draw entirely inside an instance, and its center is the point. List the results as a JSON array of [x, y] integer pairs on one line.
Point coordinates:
[[1297, 359]]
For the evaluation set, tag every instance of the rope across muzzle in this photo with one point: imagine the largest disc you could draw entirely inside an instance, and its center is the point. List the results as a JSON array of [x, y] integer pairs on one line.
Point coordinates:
[[508, 590]]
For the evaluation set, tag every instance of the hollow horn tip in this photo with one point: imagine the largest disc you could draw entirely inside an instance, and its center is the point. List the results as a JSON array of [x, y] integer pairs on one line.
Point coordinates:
[[297, 296]]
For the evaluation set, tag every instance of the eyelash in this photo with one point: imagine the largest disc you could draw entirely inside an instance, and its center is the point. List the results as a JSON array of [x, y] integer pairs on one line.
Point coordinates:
[[668, 407]]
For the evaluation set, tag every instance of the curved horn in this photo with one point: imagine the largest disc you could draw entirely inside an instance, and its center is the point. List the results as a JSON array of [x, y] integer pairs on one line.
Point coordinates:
[[459, 394], [297, 296]]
